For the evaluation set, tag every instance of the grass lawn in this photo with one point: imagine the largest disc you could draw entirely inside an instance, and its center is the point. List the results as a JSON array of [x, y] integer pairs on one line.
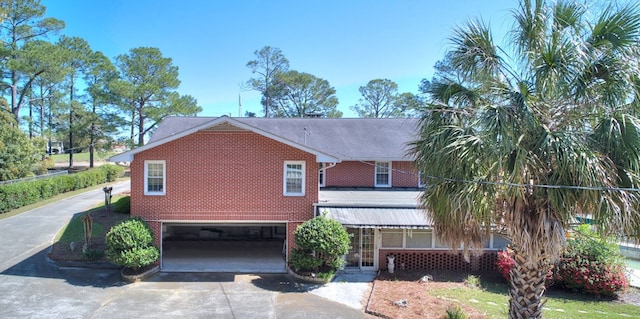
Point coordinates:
[[493, 300], [81, 157]]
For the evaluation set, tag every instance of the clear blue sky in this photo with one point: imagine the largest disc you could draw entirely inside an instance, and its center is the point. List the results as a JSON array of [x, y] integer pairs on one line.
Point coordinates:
[[347, 43]]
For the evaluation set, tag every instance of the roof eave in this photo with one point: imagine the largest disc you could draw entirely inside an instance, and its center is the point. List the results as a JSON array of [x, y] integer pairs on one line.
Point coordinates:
[[128, 156]]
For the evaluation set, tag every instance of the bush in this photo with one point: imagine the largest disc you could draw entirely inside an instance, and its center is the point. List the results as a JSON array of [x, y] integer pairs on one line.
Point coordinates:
[[122, 205], [112, 171], [320, 241], [592, 264], [130, 244], [16, 195], [92, 255], [304, 260], [505, 263]]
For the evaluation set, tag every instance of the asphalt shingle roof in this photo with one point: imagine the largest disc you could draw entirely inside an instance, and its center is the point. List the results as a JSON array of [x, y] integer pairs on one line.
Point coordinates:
[[344, 138]]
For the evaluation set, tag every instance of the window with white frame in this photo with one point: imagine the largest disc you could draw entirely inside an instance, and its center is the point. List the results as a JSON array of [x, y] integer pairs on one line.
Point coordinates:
[[155, 181], [418, 238], [392, 238], [383, 174], [294, 172], [426, 239]]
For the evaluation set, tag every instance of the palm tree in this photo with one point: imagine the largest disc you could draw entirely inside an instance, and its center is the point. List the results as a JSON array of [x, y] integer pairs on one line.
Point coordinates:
[[527, 137]]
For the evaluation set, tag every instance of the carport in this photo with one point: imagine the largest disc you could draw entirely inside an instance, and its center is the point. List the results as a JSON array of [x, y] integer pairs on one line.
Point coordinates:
[[223, 247]]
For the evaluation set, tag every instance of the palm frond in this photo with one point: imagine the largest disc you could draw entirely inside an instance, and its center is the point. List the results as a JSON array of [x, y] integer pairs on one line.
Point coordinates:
[[474, 52], [617, 29]]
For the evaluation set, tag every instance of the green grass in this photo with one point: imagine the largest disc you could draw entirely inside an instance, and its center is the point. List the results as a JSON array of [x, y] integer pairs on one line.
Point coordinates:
[[74, 230], [81, 157], [494, 300]]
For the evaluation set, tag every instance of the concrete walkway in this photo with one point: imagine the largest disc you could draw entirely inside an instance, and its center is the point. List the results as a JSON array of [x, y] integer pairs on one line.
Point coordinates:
[[32, 287]]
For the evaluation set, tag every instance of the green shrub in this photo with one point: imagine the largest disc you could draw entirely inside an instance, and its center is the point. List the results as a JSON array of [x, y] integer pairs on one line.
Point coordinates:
[[16, 195], [93, 255], [300, 259], [592, 264], [326, 238], [130, 244], [122, 205], [112, 171]]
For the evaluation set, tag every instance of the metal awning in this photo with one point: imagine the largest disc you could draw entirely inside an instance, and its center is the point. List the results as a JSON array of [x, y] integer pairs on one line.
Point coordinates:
[[366, 217]]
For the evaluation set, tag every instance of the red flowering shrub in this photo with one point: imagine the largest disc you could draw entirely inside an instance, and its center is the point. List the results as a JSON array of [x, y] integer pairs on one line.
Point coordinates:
[[591, 277], [504, 263], [592, 264]]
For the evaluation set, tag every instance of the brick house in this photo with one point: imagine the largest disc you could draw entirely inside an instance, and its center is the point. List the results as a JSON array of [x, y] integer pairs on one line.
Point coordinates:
[[233, 190]]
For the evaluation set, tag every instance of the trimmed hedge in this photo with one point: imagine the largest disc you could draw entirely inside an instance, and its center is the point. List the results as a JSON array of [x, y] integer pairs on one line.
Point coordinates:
[[20, 194]]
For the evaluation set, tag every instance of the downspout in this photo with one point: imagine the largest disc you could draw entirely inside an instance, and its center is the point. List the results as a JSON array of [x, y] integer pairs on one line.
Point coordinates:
[[324, 168]]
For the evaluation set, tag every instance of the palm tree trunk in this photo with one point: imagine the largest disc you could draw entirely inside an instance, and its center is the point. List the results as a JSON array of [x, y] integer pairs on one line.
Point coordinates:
[[527, 287]]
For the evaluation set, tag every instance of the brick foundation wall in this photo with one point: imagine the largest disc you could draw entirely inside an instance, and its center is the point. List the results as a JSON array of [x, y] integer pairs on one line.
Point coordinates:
[[362, 174], [437, 260]]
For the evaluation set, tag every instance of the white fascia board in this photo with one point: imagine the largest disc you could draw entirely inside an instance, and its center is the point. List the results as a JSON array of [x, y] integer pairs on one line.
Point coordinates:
[[381, 159]]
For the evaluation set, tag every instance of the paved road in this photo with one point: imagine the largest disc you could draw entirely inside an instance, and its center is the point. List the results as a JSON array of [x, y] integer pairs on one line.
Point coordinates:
[[32, 287]]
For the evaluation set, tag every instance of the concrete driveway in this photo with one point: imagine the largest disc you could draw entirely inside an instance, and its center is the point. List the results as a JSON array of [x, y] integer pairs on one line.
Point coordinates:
[[32, 287]]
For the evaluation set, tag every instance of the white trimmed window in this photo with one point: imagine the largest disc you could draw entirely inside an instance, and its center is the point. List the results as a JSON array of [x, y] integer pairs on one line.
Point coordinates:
[[383, 174], [294, 172], [155, 181]]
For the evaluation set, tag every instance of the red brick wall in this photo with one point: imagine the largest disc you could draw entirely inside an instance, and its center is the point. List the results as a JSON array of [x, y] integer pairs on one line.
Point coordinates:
[[362, 174], [215, 176]]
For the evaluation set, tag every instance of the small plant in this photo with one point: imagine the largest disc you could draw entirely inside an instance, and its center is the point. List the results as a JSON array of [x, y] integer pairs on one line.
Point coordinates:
[[93, 255], [130, 244], [473, 282], [326, 276], [455, 312]]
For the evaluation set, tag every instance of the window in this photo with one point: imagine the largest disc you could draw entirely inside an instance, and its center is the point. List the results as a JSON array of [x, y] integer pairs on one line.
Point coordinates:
[[418, 238], [499, 241], [294, 178], [392, 238], [383, 174], [154, 177]]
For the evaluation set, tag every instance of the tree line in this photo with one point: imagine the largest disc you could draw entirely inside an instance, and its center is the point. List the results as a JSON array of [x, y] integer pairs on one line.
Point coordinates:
[[63, 90], [291, 93]]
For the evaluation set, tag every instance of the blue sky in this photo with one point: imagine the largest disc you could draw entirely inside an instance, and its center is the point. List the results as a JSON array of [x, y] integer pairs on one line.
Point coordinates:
[[347, 43]]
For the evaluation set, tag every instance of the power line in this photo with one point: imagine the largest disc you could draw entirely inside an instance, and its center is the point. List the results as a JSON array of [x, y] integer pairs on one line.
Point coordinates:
[[546, 186]]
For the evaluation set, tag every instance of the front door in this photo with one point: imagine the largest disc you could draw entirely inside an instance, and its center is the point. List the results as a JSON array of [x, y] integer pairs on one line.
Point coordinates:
[[361, 254]]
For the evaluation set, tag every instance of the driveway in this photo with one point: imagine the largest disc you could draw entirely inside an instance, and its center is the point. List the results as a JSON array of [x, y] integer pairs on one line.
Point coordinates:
[[32, 287]]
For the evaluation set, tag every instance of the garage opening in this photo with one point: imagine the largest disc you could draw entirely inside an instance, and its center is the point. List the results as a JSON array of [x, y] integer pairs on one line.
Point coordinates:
[[246, 248]]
